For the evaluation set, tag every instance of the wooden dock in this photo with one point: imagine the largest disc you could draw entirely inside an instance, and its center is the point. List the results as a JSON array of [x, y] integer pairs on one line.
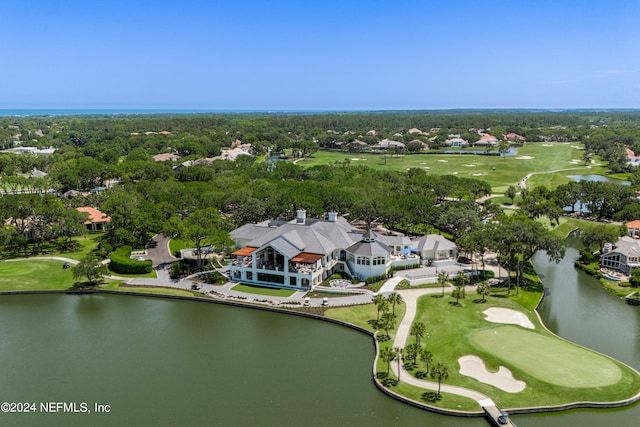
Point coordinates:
[[496, 416]]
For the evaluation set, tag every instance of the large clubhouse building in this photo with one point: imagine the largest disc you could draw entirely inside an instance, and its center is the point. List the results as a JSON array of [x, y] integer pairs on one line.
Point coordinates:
[[301, 253]]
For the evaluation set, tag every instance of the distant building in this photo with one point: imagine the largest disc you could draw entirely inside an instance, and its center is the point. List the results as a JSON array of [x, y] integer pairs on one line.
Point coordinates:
[[387, 144], [30, 150], [632, 159], [514, 137], [487, 140], [96, 220], [454, 140], [163, 157]]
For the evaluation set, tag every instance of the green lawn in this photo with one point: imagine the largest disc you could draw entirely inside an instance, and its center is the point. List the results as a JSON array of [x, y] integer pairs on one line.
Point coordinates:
[[555, 371], [115, 286], [176, 244], [83, 246], [34, 274], [361, 315], [537, 158], [547, 358], [257, 290]]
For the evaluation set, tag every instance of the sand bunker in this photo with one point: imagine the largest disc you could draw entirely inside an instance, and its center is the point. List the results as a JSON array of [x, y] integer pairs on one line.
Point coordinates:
[[524, 158], [506, 315], [547, 145], [443, 161], [470, 166], [473, 366], [477, 174]]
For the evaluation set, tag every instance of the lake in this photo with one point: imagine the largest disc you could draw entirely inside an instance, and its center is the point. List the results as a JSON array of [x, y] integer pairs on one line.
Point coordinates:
[[160, 362]]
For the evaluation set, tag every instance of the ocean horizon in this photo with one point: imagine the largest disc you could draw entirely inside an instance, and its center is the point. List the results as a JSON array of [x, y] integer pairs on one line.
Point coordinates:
[[51, 112], [47, 112]]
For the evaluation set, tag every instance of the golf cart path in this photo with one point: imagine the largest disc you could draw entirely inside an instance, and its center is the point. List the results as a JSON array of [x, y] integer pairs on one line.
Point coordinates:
[[410, 297]]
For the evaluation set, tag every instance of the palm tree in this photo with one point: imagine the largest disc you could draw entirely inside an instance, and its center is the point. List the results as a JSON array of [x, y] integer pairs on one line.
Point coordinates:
[[459, 293], [383, 306], [399, 354], [412, 350], [393, 299], [418, 329], [388, 321], [443, 278], [387, 355], [484, 290], [440, 373], [426, 356]]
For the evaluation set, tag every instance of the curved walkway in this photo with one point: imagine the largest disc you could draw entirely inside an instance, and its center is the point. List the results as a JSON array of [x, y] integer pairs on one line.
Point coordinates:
[[410, 297]]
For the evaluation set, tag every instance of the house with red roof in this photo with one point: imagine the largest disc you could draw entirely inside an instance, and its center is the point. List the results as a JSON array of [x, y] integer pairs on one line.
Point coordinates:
[[632, 159], [96, 220], [514, 137]]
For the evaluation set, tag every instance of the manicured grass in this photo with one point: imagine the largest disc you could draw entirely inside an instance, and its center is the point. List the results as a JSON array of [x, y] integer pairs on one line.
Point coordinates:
[[115, 286], [361, 315], [34, 274], [176, 244], [83, 246], [263, 291], [544, 158], [543, 361], [547, 358]]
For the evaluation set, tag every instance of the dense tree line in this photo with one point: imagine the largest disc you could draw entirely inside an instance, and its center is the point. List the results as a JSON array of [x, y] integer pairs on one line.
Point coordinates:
[[202, 203]]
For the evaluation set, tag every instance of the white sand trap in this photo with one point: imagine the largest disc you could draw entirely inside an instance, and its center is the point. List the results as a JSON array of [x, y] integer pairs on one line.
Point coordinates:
[[524, 158], [506, 315], [454, 173], [477, 174], [547, 145], [473, 366], [423, 163], [577, 147], [443, 161], [355, 159], [426, 167], [470, 166]]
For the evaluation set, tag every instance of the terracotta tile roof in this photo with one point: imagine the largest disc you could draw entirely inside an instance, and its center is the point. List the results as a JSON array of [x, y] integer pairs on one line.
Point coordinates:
[[633, 224], [94, 215]]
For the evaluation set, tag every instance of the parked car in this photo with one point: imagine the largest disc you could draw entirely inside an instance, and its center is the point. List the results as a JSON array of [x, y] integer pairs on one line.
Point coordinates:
[[195, 287]]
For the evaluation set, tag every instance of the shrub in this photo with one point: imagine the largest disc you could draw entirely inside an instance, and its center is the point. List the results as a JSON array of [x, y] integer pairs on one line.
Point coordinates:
[[123, 264]]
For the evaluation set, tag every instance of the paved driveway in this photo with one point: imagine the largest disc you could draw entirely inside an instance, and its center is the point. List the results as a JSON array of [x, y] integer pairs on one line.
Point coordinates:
[[159, 252]]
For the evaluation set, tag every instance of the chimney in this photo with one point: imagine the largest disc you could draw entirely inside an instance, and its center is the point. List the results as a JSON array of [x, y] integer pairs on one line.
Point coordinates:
[[301, 218], [332, 216]]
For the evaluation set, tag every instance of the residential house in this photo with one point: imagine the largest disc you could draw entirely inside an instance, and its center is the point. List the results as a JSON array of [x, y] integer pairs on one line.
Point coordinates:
[[96, 220], [632, 159], [622, 255], [163, 157], [487, 140], [454, 140], [387, 144], [514, 137], [301, 253], [633, 228]]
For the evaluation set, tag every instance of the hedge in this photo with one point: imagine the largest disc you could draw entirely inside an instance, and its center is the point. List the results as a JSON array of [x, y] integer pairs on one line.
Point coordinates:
[[123, 264]]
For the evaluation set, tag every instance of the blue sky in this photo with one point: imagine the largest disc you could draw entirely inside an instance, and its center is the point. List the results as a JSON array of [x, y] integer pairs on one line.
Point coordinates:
[[320, 55]]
